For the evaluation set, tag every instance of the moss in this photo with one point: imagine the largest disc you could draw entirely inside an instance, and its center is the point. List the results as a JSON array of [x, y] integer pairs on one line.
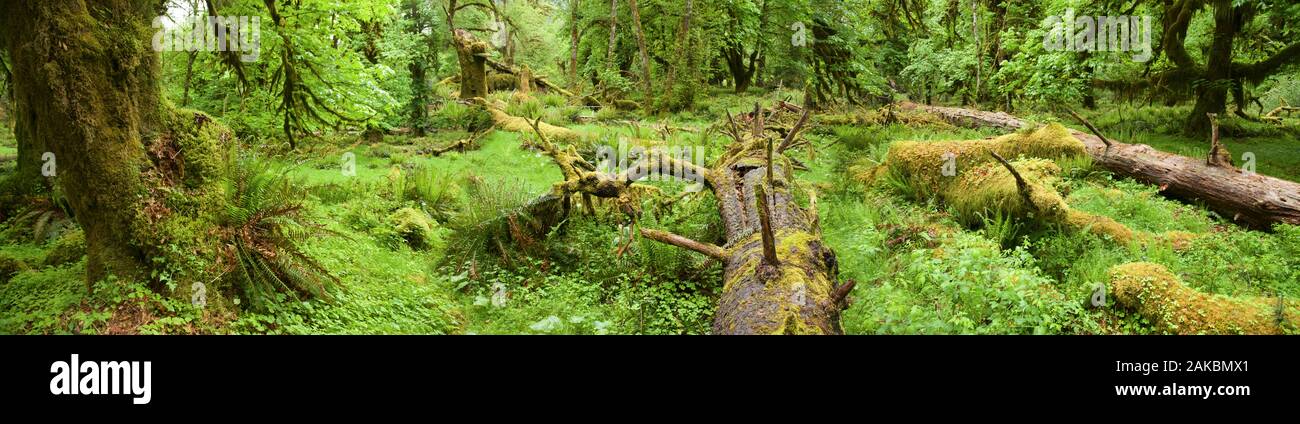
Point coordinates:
[[1161, 297], [11, 265], [984, 188], [921, 163], [416, 228], [991, 187], [69, 247], [200, 144], [501, 82], [506, 122]]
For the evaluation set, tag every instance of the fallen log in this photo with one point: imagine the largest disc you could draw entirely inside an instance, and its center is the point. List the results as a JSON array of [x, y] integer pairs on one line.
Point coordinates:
[[796, 291], [779, 276], [1173, 307], [1246, 198]]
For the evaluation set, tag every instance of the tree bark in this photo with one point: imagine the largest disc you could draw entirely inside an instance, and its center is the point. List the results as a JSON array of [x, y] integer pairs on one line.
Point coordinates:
[[87, 90], [1248, 199], [470, 52], [647, 84]]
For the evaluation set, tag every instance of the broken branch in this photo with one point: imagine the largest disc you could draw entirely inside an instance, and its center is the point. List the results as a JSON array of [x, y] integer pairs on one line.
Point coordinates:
[[706, 249], [1092, 128]]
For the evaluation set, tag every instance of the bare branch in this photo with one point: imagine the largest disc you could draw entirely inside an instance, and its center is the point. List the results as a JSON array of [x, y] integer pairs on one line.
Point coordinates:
[[789, 138], [706, 249]]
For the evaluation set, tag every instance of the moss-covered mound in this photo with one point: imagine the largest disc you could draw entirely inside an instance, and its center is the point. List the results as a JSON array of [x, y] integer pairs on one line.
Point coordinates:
[[979, 187], [69, 247], [921, 164], [414, 227], [1161, 297]]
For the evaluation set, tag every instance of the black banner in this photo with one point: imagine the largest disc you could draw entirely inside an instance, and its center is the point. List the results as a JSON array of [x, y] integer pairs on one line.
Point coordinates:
[[234, 373]]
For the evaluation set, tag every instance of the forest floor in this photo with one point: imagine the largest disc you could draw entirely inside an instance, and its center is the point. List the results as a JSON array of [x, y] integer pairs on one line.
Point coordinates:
[[918, 271]]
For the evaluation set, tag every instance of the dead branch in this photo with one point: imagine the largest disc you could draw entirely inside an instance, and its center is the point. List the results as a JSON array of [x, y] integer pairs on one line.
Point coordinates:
[[789, 138], [1092, 128], [765, 222], [706, 249]]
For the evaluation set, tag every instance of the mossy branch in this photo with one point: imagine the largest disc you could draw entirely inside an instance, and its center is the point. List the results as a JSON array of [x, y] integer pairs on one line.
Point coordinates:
[[1021, 185]]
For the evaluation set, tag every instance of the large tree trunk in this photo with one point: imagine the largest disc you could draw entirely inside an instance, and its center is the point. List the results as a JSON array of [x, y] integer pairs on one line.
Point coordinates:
[[642, 52], [87, 90], [613, 33], [573, 43], [470, 52], [1251, 200], [1213, 96], [679, 57], [741, 73]]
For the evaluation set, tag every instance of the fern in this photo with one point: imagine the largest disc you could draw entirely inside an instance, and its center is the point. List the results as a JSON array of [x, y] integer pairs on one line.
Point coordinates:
[[262, 228]]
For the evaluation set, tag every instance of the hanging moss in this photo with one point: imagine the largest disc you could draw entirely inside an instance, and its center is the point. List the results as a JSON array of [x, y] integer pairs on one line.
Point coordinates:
[[1175, 308]]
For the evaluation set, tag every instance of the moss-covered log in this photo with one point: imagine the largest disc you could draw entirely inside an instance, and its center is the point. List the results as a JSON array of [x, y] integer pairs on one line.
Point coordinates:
[[795, 295], [524, 75], [1173, 307], [976, 182], [1248, 199], [797, 291]]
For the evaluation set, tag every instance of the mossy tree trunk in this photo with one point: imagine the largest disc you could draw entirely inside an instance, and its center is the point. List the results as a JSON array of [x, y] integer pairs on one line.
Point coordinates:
[[473, 65], [646, 83], [87, 87]]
